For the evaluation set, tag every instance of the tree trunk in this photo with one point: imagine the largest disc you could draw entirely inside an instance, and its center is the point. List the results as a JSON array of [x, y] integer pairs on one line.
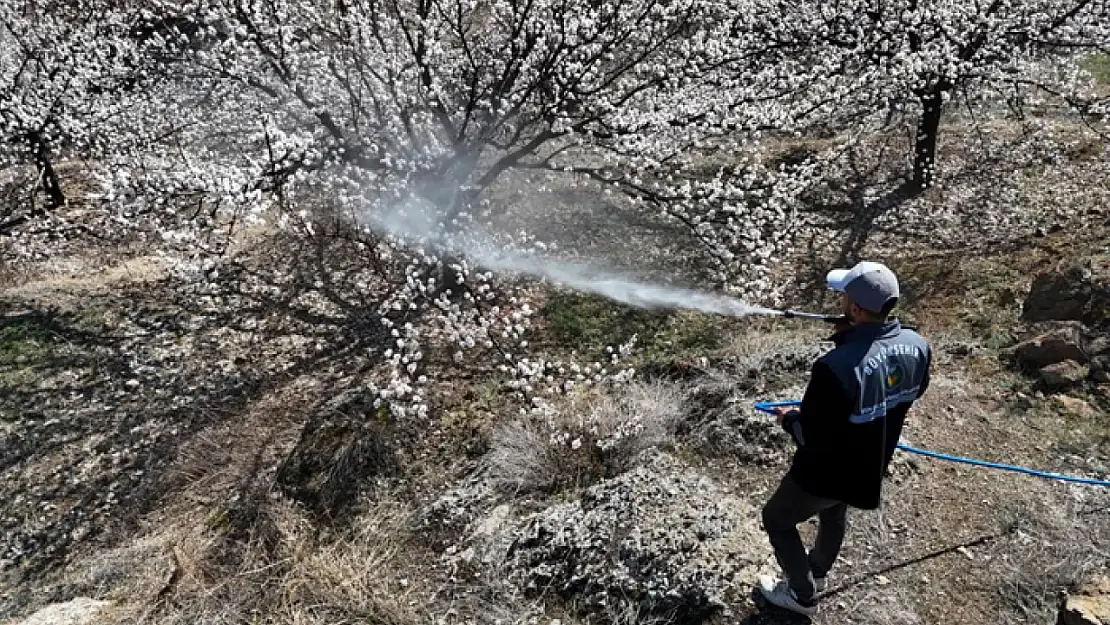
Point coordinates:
[[925, 148], [50, 183]]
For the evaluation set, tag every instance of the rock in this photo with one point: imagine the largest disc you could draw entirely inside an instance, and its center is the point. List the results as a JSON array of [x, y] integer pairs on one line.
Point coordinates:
[[1058, 295], [719, 425], [963, 349], [79, 611], [1079, 292], [144, 570], [1080, 611], [463, 515], [660, 540], [1099, 345], [1076, 406], [1067, 373], [1090, 606], [1101, 363], [1024, 402], [340, 448], [1062, 341]]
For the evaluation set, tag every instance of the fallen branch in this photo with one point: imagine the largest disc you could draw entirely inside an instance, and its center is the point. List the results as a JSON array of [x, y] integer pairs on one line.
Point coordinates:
[[975, 542]]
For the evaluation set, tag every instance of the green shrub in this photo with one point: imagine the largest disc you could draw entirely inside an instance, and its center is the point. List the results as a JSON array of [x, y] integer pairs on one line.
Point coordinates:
[[22, 341], [1099, 66]]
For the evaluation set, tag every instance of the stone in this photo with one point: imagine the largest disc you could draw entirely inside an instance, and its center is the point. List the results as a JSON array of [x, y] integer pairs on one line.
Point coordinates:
[[660, 541], [1090, 606], [1101, 362], [78, 611], [1098, 349], [1076, 406], [717, 425], [1099, 345], [963, 349], [1058, 295], [1080, 292], [1067, 373], [143, 570], [1061, 341], [1024, 401]]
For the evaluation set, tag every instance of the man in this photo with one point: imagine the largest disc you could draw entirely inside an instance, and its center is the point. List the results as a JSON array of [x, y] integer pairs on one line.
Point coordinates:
[[846, 430]]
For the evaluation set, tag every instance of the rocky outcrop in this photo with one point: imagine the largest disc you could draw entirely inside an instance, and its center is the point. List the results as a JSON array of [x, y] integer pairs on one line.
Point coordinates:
[[1068, 339], [1078, 292], [660, 541], [1062, 374], [458, 521], [79, 611], [1054, 342], [1090, 606], [720, 423]]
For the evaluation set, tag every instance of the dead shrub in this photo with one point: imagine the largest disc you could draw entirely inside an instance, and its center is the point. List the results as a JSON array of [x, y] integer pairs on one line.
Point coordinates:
[[592, 436], [341, 449], [1054, 548], [303, 577]]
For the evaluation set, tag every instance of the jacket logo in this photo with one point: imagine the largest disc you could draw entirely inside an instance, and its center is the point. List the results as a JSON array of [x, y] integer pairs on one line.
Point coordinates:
[[894, 376]]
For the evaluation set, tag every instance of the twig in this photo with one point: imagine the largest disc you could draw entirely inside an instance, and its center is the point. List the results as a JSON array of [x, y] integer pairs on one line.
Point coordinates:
[[859, 579], [1093, 510]]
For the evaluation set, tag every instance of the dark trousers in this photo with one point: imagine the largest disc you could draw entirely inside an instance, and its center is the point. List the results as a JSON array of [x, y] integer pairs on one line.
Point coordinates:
[[789, 506]]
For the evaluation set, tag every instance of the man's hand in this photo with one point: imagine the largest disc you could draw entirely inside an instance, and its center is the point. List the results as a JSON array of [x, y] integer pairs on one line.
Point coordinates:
[[781, 412]]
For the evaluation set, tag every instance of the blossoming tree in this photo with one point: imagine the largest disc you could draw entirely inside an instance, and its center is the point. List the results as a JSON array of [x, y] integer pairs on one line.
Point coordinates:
[[850, 64], [371, 133], [65, 69], [385, 124]]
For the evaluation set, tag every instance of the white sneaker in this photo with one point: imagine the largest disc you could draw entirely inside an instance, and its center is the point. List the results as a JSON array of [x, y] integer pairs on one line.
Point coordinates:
[[778, 592]]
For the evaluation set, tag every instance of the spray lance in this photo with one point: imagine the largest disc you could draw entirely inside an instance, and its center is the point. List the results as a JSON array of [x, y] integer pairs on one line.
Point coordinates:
[[797, 314]]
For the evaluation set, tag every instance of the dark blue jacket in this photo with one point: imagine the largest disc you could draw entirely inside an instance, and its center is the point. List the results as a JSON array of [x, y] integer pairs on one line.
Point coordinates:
[[852, 414]]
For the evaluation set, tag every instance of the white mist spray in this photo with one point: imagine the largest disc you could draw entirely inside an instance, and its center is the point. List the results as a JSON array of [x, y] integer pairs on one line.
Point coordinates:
[[414, 220], [619, 288]]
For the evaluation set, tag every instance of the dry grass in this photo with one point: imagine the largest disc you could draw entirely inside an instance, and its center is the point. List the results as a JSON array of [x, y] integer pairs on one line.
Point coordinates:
[[227, 548], [892, 607], [11, 275], [1056, 547], [594, 435], [766, 344], [229, 457], [302, 578], [356, 578]]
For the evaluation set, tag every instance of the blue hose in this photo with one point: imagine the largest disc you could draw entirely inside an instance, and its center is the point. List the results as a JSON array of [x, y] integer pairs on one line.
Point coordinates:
[[769, 407]]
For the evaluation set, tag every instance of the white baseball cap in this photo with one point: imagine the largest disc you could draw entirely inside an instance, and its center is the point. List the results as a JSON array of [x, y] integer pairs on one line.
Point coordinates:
[[870, 285]]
